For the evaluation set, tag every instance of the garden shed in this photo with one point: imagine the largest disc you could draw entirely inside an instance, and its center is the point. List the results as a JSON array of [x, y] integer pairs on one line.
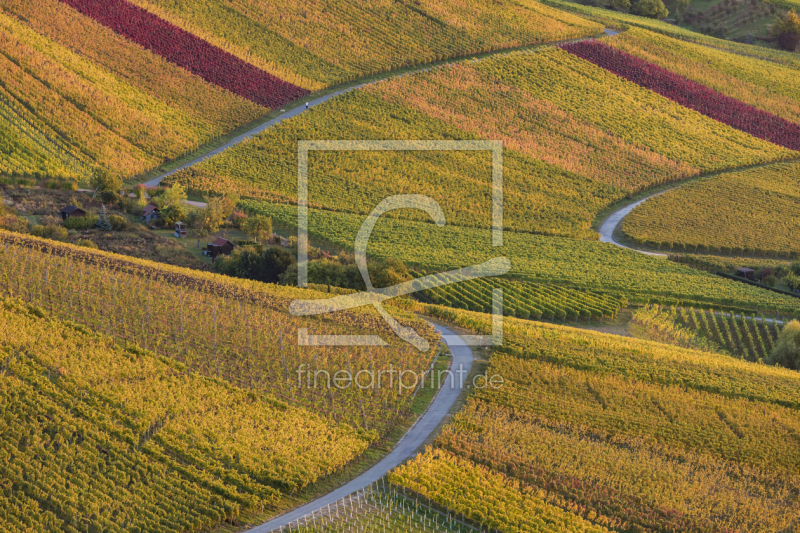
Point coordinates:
[[219, 246], [180, 229], [150, 213], [747, 273], [72, 211]]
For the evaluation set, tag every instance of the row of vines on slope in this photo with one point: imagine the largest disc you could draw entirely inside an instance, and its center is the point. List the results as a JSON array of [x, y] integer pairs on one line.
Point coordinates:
[[690, 94], [745, 337], [328, 42], [119, 438], [568, 152], [219, 327], [190, 52], [624, 434], [526, 300], [94, 113], [751, 212], [572, 263], [768, 86]]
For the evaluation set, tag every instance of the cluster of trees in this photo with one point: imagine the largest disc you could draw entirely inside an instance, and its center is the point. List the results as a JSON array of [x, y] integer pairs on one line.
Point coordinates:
[[787, 30], [279, 265]]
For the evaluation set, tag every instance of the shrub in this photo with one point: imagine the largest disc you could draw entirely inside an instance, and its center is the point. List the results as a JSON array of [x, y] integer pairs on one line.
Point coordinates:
[[787, 349], [14, 223], [57, 233], [81, 223], [118, 222], [86, 243]]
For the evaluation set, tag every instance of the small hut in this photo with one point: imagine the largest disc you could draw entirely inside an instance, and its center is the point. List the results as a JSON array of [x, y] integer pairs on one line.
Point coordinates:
[[747, 273], [180, 229], [72, 211], [150, 213], [219, 246]]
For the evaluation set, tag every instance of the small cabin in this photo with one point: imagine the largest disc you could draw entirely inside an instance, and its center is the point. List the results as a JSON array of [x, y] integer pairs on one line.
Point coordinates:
[[180, 230], [150, 213], [72, 211], [219, 246], [747, 273]]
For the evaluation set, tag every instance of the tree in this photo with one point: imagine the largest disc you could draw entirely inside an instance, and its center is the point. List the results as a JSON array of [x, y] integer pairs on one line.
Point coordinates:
[[106, 183], [787, 349], [174, 196], [787, 29], [103, 223], [258, 227], [683, 5], [650, 8]]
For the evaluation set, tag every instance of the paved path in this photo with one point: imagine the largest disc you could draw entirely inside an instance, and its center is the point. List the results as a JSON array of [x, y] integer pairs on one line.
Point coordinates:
[[300, 109], [255, 131], [408, 444], [611, 223]]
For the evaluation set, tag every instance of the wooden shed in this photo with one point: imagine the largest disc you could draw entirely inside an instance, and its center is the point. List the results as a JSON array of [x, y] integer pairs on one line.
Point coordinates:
[[219, 246], [150, 213], [180, 230], [747, 273], [72, 211]]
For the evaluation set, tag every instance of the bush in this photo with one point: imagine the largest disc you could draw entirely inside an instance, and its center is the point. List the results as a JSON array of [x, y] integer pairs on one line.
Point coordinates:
[[267, 267], [14, 223], [86, 243], [770, 280], [81, 223], [787, 349], [57, 233], [118, 222]]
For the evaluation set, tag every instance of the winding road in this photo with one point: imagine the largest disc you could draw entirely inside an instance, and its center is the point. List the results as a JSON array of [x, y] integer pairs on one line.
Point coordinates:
[[312, 103], [408, 443], [613, 221]]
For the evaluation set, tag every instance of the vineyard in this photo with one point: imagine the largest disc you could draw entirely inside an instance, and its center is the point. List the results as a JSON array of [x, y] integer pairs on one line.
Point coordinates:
[[764, 85], [754, 212], [119, 438], [580, 265], [190, 52], [27, 152], [622, 433], [567, 154], [525, 300], [485, 497], [379, 508], [640, 360], [743, 337], [325, 43], [626, 21], [81, 113], [690, 94], [220, 327]]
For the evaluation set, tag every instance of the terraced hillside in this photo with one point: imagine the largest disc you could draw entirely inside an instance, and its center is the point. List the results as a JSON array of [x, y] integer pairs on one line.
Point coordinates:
[[596, 432], [568, 153], [583, 265], [317, 44], [234, 330], [87, 96], [754, 212], [118, 438]]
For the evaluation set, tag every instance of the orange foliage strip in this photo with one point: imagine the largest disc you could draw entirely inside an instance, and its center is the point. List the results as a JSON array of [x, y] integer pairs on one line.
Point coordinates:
[[491, 108], [214, 109]]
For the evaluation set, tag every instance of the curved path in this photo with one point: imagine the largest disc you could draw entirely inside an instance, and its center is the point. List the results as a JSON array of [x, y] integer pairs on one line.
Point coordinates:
[[610, 225], [408, 443], [301, 108]]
